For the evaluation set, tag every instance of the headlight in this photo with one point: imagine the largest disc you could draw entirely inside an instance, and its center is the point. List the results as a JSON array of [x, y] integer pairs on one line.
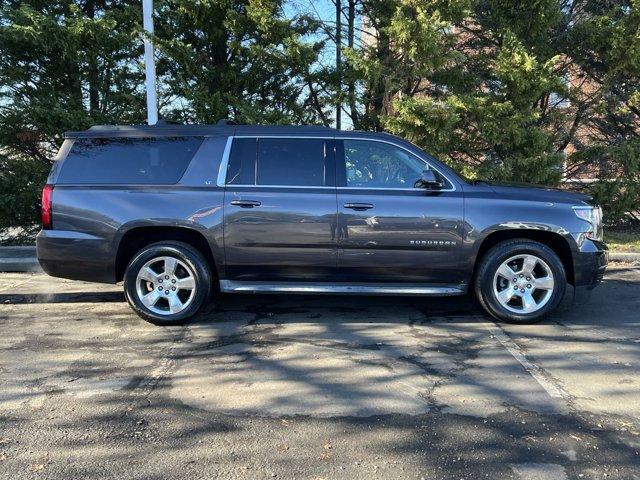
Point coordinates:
[[593, 215]]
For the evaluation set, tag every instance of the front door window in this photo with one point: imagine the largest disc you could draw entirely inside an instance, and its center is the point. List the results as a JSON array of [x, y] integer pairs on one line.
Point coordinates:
[[380, 165]]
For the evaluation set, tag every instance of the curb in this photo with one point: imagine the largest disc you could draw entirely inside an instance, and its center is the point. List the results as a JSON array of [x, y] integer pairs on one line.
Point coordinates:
[[624, 257], [19, 265], [19, 259]]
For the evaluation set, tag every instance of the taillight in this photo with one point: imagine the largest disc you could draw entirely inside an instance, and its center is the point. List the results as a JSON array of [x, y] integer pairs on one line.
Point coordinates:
[[46, 207]]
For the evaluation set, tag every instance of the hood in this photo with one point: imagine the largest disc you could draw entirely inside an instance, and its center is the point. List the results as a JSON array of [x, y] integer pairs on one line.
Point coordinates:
[[541, 193]]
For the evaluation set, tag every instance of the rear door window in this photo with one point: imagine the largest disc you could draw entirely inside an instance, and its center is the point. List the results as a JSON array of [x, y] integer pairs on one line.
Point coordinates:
[[147, 161], [292, 162]]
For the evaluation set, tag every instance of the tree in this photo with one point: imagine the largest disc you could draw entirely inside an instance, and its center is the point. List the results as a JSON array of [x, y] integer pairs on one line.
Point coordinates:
[[466, 80], [238, 59], [604, 46], [509, 90], [21, 181], [64, 65]]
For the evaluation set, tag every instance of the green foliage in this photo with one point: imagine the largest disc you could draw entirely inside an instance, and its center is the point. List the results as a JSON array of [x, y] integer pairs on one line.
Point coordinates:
[[619, 188], [20, 188], [238, 59], [465, 81], [64, 65], [511, 90]]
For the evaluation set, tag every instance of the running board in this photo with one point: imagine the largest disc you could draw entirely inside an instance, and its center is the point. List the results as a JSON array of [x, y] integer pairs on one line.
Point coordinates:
[[231, 286]]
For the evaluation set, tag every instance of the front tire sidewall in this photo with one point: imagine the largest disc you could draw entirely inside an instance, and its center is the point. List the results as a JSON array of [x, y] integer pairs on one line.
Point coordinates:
[[184, 253], [491, 262]]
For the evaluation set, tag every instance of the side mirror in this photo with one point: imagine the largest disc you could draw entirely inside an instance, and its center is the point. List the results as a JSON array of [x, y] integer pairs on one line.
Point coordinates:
[[428, 180]]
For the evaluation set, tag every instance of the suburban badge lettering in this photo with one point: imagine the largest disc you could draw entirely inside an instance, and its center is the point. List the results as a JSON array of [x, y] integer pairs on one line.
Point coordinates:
[[431, 243]]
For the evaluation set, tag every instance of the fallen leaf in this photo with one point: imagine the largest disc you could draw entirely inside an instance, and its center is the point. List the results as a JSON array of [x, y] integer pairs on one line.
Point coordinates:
[[36, 467], [326, 450]]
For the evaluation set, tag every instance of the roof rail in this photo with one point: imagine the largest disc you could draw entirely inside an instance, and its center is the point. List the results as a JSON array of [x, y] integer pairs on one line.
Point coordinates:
[[313, 126], [103, 127]]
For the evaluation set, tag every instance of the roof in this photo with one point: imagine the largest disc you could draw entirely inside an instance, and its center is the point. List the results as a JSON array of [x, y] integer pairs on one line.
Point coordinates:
[[171, 130]]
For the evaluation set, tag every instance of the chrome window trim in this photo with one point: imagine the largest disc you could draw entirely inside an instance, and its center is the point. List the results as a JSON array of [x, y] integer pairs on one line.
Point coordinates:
[[224, 163], [395, 189], [324, 137], [319, 137], [231, 187]]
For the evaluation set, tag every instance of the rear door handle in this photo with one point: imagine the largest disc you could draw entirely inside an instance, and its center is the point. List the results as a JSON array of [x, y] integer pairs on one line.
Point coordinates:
[[246, 203], [358, 206]]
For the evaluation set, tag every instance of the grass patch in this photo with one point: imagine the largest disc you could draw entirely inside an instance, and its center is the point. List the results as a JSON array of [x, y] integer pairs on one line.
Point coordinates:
[[622, 241]]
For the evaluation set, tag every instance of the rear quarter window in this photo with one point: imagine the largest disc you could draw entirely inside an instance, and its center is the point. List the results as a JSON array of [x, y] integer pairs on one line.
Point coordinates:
[[147, 161]]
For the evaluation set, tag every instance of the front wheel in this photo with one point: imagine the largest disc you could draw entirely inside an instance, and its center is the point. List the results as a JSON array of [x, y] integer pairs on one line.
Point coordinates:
[[167, 283], [520, 281]]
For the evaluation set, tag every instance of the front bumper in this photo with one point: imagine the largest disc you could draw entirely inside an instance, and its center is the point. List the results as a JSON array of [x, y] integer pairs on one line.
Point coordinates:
[[590, 263]]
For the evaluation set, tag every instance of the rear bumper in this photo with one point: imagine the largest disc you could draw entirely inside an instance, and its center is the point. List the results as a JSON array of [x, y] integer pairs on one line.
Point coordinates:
[[75, 255], [590, 263]]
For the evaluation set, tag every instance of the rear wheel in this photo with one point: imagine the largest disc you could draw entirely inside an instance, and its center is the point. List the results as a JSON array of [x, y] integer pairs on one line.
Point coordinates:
[[520, 281], [167, 283]]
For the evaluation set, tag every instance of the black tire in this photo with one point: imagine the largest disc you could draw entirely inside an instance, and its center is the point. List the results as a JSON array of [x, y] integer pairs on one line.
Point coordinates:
[[184, 253], [493, 259]]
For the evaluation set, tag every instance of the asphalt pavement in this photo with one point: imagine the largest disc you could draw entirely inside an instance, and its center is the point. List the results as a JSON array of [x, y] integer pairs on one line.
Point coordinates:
[[317, 387]]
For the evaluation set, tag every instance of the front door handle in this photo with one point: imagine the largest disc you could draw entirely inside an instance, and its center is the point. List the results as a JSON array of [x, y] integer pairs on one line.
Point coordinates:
[[358, 206], [246, 203]]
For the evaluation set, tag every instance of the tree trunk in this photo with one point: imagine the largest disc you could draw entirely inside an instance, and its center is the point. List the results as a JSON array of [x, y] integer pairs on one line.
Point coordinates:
[[339, 64], [380, 93], [351, 19]]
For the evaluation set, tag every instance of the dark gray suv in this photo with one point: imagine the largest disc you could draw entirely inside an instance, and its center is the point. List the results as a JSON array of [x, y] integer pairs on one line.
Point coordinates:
[[182, 213]]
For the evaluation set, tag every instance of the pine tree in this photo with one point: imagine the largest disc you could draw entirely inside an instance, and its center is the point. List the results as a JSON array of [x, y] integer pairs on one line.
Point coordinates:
[[64, 65], [238, 59], [466, 81], [604, 45], [524, 91]]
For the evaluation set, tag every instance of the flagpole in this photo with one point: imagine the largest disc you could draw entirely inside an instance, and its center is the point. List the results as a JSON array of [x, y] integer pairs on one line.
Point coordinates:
[[149, 62]]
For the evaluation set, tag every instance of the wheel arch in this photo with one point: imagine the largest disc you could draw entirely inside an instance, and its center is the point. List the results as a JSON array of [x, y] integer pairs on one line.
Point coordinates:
[[136, 238], [553, 240]]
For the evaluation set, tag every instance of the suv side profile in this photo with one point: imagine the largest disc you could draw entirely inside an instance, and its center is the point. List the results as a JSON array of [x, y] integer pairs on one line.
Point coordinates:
[[181, 213]]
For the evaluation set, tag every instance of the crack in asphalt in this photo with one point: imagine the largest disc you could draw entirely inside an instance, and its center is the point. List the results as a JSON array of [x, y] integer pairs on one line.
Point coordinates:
[[264, 335], [165, 364]]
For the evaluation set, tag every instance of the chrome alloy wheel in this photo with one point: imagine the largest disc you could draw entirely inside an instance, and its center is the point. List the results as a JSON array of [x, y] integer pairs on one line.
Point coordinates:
[[165, 285], [523, 284]]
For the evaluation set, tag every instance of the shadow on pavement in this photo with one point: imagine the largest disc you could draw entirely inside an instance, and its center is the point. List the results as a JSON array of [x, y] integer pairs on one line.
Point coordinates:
[[309, 387], [71, 297]]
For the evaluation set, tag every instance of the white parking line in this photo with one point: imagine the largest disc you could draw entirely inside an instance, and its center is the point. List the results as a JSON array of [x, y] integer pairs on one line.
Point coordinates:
[[554, 391]]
